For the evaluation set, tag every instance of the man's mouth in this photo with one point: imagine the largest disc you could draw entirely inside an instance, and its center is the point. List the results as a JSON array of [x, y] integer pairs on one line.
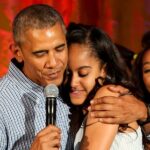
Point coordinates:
[[54, 75]]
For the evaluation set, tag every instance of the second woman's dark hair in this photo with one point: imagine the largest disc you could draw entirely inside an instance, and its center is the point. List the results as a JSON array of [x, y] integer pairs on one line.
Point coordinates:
[[137, 76]]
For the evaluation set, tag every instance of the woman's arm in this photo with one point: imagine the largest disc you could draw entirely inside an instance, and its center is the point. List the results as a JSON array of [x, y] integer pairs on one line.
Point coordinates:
[[97, 135]]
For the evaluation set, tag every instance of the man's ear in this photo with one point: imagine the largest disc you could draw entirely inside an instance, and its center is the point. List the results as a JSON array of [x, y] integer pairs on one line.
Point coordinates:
[[17, 52]]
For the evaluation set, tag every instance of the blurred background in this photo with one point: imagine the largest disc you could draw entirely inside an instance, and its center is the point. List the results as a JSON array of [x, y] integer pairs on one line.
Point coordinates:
[[124, 20]]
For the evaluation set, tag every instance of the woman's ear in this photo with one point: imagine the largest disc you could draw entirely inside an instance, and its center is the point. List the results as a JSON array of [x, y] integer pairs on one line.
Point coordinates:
[[17, 52], [103, 71]]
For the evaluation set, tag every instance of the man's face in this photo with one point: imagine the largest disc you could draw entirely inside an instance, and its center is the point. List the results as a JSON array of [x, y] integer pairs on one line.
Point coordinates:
[[45, 55]]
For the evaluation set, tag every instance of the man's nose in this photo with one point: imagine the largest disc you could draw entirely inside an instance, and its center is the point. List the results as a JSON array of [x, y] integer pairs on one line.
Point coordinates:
[[52, 61]]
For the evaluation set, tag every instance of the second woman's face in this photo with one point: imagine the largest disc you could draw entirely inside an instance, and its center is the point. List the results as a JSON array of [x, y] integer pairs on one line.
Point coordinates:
[[84, 69], [146, 70]]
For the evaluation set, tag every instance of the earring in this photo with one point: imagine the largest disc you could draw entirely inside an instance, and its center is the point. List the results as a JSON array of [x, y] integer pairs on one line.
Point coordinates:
[[100, 80]]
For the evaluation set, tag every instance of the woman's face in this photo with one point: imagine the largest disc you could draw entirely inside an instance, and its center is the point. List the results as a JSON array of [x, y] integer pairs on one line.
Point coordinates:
[[84, 69], [146, 70]]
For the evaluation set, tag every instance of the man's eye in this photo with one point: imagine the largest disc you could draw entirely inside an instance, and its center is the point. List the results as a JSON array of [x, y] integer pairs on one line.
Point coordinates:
[[39, 54], [61, 48]]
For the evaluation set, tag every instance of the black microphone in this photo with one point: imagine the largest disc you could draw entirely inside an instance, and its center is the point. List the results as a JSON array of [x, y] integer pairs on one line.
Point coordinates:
[[51, 92]]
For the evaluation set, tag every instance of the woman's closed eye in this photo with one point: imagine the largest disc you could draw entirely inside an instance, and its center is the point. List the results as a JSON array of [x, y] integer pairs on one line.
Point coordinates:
[[147, 71], [84, 71], [82, 75]]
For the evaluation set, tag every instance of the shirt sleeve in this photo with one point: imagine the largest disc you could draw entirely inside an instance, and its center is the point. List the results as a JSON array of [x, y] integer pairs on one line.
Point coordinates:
[[3, 133]]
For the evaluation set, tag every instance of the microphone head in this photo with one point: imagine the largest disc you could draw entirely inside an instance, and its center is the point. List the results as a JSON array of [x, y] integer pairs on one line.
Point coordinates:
[[51, 90]]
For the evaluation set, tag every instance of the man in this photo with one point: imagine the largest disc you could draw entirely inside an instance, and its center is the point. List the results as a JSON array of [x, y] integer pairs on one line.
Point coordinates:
[[41, 53]]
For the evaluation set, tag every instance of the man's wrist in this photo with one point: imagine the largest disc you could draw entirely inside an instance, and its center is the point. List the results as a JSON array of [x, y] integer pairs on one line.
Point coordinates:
[[146, 119]]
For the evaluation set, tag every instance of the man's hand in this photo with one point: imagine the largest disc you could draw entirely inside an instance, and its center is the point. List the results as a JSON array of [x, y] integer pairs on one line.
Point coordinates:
[[118, 110], [47, 139]]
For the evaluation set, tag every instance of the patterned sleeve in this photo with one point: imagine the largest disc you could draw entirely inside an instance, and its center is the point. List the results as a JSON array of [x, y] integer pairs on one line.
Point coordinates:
[[3, 137]]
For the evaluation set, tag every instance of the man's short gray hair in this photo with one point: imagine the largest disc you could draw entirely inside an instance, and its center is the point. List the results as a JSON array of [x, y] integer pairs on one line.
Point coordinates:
[[38, 16]]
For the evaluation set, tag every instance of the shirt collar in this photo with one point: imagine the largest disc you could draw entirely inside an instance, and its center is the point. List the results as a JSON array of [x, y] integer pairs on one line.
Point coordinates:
[[17, 76]]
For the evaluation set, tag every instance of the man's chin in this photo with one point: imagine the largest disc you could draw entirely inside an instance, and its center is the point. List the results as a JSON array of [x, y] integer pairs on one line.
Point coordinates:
[[56, 82]]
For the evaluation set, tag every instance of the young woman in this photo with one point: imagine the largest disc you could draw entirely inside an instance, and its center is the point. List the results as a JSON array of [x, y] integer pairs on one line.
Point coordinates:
[[94, 62], [141, 76]]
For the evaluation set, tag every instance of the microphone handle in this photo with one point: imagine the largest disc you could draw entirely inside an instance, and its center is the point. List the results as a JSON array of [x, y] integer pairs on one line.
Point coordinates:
[[50, 110]]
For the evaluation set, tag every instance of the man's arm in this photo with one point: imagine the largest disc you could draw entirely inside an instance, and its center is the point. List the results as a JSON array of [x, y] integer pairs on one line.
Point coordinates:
[[122, 110]]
